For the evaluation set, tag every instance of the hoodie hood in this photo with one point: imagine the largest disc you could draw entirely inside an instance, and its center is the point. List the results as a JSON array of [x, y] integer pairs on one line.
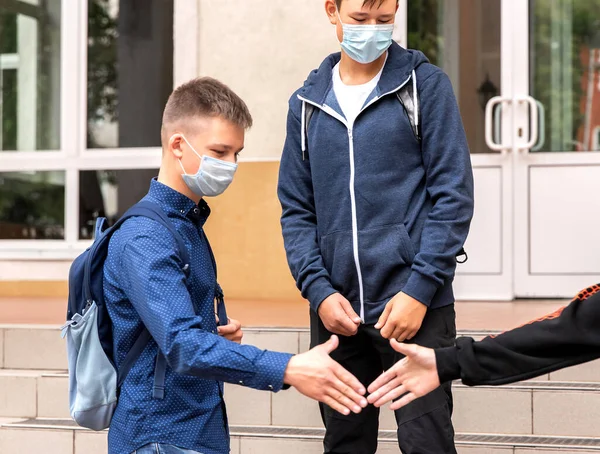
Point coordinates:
[[398, 68]]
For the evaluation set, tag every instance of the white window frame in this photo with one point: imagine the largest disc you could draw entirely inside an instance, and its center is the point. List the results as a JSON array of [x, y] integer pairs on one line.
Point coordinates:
[[73, 155]]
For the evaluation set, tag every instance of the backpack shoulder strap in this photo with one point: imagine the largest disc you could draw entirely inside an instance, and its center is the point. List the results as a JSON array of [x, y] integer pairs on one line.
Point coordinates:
[[132, 355], [307, 112], [408, 96], [155, 212], [221, 310]]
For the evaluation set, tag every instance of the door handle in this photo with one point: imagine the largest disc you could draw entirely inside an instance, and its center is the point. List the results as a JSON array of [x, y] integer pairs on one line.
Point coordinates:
[[542, 127], [534, 121], [492, 126]]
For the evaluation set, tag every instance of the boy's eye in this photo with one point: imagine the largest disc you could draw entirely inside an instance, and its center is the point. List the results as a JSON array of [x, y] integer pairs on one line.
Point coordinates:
[[358, 20]]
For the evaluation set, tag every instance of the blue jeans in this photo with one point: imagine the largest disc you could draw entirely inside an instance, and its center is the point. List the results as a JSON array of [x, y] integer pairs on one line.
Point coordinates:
[[158, 448]]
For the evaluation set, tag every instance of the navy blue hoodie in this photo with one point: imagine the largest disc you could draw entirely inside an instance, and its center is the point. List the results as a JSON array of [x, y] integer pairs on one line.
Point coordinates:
[[367, 210]]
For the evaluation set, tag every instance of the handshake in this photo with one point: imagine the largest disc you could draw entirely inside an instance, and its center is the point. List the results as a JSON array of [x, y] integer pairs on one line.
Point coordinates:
[[319, 377], [316, 375]]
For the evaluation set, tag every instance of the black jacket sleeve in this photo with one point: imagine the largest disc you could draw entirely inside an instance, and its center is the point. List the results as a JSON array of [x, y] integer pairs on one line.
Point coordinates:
[[567, 337]]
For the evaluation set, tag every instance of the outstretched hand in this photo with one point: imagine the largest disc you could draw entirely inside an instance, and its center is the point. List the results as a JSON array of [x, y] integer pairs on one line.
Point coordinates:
[[414, 376], [319, 377]]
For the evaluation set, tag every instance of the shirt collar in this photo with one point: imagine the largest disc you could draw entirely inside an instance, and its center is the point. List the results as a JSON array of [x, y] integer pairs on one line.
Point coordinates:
[[176, 203]]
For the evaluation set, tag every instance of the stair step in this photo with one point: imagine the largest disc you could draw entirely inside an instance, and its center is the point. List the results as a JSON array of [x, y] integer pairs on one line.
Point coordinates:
[[33, 393], [64, 437], [528, 407], [549, 405], [39, 347]]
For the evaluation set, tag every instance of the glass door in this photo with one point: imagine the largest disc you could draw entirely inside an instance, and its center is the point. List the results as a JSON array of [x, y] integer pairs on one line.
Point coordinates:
[[557, 180], [467, 40]]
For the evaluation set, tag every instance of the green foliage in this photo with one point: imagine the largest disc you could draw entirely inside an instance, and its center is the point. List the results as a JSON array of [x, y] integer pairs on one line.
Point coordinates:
[[423, 28]]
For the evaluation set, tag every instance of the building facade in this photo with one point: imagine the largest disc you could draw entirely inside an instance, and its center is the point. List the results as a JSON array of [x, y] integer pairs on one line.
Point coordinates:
[[83, 84]]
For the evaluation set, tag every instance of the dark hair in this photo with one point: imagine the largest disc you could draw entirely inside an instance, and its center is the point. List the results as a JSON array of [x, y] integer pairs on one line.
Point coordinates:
[[208, 97], [368, 3]]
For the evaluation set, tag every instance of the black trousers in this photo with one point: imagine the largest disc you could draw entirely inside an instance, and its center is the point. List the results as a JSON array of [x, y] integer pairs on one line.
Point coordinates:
[[424, 426]]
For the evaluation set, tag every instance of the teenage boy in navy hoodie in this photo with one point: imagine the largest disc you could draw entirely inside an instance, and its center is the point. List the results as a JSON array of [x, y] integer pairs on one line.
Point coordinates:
[[375, 210]]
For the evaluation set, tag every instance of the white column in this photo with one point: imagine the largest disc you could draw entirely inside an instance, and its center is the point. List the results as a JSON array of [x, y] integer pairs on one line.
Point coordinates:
[[186, 36], [400, 26]]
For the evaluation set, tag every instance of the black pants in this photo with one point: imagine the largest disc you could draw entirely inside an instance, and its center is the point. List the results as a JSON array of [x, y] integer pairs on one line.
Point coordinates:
[[424, 426]]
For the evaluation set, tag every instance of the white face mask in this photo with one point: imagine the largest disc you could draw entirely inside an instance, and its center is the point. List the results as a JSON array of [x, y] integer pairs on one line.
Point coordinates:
[[212, 178], [366, 43]]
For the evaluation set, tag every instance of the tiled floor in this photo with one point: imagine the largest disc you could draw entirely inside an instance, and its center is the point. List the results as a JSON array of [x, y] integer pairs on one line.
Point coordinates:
[[470, 315]]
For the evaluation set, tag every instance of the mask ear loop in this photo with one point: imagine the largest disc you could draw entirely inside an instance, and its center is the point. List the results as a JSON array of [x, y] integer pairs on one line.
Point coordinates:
[[192, 148]]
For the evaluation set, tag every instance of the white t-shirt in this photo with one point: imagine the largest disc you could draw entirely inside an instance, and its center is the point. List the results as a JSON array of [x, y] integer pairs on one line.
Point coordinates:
[[351, 98]]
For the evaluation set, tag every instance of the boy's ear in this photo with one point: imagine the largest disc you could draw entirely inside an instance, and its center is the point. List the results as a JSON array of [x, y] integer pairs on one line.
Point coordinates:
[[331, 10], [174, 145]]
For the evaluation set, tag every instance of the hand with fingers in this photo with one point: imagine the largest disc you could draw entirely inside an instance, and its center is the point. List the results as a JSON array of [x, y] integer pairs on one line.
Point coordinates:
[[232, 331], [337, 315], [319, 377], [402, 318], [414, 376]]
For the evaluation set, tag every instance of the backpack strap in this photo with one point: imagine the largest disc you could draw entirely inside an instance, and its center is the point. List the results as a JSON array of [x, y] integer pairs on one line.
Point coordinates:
[[132, 355], [220, 297], [307, 113], [160, 371], [143, 208], [152, 211], [408, 96]]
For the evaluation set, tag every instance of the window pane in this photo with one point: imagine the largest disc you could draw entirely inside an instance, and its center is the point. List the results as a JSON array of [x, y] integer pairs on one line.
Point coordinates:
[[30, 76], [565, 71], [109, 193], [32, 205], [465, 42], [130, 71]]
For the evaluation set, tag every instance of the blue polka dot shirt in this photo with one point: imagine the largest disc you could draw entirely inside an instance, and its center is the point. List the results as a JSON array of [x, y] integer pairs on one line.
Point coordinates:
[[144, 284]]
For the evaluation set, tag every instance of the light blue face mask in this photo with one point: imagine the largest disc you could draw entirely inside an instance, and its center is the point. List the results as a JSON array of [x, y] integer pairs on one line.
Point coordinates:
[[366, 43], [212, 178]]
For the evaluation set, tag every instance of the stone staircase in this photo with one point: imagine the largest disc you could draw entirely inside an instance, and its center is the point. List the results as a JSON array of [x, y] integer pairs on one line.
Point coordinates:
[[559, 412]]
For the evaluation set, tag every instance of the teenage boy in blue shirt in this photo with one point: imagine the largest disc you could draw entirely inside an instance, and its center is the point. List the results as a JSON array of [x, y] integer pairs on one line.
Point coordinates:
[[202, 134]]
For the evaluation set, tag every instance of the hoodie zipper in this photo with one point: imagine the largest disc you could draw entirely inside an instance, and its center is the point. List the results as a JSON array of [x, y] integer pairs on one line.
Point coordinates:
[[350, 127]]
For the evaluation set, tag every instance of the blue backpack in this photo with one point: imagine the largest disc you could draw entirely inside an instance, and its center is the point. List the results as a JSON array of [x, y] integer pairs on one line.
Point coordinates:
[[94, 379]]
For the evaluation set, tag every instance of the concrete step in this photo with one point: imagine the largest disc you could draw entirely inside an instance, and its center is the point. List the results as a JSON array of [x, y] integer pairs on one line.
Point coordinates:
[[63, 437], [530, 408], [546, 407], [525, 408], [36, 347], [39, 347], [33, 394]]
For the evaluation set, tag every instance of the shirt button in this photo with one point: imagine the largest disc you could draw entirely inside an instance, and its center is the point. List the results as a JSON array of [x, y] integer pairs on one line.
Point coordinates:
[[271, 387], [242, 382], [196, 211]]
